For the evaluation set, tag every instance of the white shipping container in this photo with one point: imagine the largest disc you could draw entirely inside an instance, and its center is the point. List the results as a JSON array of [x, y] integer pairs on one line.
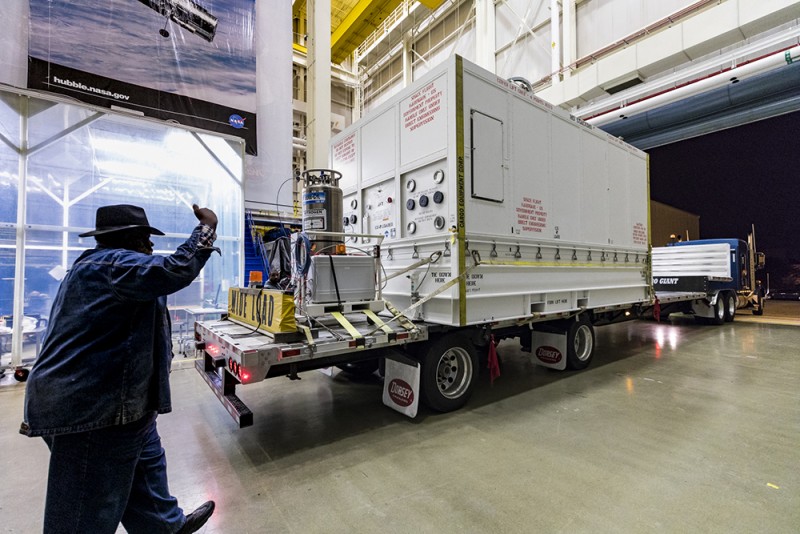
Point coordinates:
[[532, 213]]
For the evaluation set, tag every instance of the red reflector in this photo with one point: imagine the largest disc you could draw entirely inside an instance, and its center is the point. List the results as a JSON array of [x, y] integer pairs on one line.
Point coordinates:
[[402, 336], [351, 344], [288, 353]]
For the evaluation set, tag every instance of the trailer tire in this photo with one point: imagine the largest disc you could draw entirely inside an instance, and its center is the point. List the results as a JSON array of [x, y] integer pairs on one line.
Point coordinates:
[[719, 311], [580, 343], [730, 307], [449, 372]]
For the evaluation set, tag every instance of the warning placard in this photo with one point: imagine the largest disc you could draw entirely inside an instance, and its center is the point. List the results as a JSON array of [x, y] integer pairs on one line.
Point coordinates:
[[423, 107], [531, 215], [345, 150]]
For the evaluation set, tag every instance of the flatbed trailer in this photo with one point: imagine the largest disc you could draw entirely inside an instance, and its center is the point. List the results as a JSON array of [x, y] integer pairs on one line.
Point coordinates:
[[489, 214], [231, 354]]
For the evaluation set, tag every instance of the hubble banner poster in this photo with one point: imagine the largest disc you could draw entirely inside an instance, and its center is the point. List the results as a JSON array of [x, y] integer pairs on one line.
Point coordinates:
[[191, 61]]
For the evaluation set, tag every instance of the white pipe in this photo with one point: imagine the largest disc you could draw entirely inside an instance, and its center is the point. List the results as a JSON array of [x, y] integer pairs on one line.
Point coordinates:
[[485, 41], [569, 43], [698, 86], [555, 41], [318, 126]]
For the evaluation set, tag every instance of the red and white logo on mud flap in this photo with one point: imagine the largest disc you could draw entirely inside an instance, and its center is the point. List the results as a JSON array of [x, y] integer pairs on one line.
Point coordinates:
[[548, 354], [401, 392]]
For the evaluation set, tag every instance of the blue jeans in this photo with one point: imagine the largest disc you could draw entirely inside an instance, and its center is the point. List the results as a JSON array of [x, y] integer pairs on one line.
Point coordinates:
[[103, 477]]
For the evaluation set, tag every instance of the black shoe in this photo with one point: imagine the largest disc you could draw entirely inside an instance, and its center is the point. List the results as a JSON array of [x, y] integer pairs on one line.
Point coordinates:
[[198, 518]]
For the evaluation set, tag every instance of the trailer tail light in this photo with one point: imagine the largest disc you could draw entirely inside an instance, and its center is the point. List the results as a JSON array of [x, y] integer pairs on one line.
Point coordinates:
[[289, 353], [245, 376], [213, 350]]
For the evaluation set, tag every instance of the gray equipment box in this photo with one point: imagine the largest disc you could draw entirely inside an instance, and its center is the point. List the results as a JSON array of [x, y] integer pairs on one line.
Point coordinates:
[[354, 276]]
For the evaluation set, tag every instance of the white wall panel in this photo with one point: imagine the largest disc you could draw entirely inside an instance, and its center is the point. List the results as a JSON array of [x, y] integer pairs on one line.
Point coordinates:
[[516, 18], [722, 23], [530, 58], [664, 48], [761, 15], [602, 22]]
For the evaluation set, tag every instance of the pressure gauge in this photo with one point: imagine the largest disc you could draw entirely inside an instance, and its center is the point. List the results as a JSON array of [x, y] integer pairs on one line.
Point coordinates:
[[411, 185], [438, 176], [411, 227]]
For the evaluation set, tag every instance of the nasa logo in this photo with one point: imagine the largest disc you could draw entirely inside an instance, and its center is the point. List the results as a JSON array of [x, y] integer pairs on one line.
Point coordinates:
[[237, 121], [401, 393], [548, 354]]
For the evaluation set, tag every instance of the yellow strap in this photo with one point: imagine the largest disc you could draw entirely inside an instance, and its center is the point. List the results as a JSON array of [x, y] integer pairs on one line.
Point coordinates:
[[346, 324], [307, 331], [404, 322], [377, 320]]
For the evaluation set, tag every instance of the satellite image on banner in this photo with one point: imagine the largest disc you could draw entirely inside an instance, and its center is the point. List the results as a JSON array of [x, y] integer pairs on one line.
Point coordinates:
[[191, 61]]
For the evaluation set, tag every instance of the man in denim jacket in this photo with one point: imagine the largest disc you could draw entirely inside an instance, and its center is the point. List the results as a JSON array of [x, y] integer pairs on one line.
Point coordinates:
[[102, 376]]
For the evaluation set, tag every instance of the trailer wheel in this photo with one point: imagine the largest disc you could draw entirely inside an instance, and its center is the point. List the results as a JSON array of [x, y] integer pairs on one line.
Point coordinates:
[[580, 344], [730, 307], [449, 372], [719, 311]]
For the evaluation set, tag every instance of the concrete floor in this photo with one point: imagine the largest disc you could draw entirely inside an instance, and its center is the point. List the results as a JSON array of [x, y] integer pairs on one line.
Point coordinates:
[[674, 428]]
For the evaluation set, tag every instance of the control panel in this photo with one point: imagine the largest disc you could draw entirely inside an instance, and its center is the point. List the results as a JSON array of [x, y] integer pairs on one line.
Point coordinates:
[[425, 198]]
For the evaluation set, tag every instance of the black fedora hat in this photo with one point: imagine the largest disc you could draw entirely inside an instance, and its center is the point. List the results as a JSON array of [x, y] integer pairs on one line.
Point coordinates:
[[120, 217]]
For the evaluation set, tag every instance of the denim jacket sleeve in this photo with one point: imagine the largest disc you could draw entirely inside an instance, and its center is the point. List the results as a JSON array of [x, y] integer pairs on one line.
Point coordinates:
[[141, 277]]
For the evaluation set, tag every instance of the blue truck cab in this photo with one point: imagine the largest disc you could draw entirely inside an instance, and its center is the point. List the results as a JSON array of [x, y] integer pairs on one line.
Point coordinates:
[[744, 262]]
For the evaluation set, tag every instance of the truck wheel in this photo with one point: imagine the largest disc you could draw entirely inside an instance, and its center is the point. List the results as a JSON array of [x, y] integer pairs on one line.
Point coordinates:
[[449, 373], [730, 307], [580, 344], [719, 311]]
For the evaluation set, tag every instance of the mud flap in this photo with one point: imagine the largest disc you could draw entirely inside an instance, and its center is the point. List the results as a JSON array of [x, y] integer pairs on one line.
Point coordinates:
[[549, 349], [401, 385]]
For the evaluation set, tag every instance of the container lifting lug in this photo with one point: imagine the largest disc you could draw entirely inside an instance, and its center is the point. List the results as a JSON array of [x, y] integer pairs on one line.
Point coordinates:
[[615, 258], [415, 254], [574, 255], [558, 254], [446, 252], [589, 257], [493, 253]]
